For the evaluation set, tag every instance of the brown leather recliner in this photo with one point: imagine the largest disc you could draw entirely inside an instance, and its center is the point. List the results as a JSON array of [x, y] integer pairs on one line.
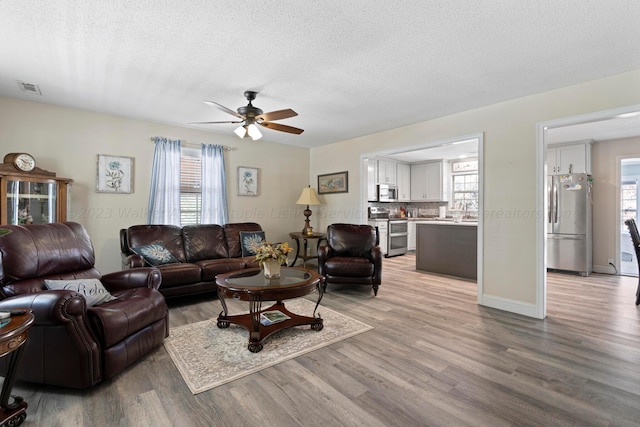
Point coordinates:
[[351, 256], [70, 344]]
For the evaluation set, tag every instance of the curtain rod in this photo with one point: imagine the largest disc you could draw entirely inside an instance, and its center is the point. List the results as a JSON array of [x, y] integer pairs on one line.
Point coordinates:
[[187, 144]]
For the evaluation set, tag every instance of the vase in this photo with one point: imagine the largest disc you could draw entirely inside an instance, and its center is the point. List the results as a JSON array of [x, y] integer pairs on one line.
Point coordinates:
[[271, 269]]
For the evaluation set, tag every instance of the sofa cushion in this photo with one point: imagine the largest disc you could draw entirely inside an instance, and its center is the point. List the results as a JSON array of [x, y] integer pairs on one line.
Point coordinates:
[[134, 310], [169, 235], [250, 241], [212, 267], [349, 267], [232, 236], [155, 254], [91, 289], [179, 274], [204, 241]]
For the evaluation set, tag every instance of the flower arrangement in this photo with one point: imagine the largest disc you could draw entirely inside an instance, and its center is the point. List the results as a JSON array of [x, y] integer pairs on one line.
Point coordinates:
[[268, 251]]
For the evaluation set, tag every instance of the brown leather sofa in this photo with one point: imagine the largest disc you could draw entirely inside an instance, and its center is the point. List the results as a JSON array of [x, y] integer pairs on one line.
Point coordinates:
[[201, 251], [71, 344], [351, 256]]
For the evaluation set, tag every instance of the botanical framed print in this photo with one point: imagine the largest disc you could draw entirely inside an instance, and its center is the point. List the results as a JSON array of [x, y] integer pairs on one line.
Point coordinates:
[[333, 183], [247, 181], [115, 174]]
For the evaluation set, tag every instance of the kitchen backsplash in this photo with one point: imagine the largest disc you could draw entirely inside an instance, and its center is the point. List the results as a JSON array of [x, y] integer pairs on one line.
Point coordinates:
[[413, 209]]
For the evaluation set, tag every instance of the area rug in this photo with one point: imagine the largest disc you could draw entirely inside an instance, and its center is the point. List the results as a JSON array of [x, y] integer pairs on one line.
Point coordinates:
[[208, 356]]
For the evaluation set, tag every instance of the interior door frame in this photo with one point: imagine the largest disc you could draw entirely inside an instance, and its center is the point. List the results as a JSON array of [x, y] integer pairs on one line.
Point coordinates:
[[480, 230], [541, 200], [618, 243]]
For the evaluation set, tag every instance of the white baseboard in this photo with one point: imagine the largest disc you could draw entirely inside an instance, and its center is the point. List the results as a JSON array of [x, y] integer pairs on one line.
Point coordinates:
[[604, 269], [512, 306]]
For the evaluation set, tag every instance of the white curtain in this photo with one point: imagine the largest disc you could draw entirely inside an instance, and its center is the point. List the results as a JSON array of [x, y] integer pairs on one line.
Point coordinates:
[[214, 185], [164, 197]]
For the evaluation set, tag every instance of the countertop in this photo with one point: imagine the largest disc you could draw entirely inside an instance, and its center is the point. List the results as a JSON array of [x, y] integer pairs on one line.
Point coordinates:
[[466, 223], [448, 221]]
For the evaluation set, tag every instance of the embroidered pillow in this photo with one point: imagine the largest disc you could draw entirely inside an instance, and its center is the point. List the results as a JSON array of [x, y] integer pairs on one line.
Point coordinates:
[[155, 254], [91, 289], [250, 240]]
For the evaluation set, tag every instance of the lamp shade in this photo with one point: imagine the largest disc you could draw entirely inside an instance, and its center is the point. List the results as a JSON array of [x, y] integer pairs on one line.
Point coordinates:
[[308, 197]]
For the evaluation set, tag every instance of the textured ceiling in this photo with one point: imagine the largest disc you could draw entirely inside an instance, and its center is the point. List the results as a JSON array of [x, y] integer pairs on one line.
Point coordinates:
[[349, 68]]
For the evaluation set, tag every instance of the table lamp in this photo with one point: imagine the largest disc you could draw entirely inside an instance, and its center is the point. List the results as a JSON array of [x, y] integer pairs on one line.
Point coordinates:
[[308, 197]]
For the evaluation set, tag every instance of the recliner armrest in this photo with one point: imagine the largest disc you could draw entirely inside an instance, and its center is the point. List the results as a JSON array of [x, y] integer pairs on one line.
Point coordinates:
[[144, 277], [49, 307], [133, 261]]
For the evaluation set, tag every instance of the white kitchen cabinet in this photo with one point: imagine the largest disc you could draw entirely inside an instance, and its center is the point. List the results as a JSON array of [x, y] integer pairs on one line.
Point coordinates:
[[387, 172], [429, 182], [403, 174], [383, 228], [372, 179], [570, 158]]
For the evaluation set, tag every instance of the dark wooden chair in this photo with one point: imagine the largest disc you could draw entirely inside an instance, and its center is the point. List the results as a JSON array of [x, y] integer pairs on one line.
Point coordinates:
[[635, 238]]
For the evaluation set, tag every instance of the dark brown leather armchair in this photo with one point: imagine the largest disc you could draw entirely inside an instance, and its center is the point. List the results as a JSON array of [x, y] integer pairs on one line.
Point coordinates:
[[351, 256], [70, 344]]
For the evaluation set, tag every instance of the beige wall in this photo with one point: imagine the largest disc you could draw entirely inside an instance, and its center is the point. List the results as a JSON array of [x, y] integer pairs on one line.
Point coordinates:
[[510, 171], [67, 141], [606, 189]]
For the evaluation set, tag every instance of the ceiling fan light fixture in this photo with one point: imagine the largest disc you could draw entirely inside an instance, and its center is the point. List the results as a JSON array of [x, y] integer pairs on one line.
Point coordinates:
[[254, 132], [241, 131]]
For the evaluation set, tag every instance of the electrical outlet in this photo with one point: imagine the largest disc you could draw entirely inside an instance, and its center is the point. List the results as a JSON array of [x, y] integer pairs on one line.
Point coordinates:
[[610, 261]]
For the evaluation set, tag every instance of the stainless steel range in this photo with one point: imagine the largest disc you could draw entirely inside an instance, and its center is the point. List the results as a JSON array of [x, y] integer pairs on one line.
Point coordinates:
[[396, 238]]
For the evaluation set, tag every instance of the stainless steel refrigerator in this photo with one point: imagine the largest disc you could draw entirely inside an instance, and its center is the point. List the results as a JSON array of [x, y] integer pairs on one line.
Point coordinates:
[[569, 239]]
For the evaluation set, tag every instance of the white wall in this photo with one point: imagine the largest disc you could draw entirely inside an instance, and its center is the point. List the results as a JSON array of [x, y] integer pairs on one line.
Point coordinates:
[[605, 157], [67, 141], [512, 167]]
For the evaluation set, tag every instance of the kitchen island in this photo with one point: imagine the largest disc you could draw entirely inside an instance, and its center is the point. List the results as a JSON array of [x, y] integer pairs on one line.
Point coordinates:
[[447, 247]]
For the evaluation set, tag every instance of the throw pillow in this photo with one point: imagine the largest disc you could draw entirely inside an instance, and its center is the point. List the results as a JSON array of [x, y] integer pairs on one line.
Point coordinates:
[[91, 289], [250, 241], [155, 254]]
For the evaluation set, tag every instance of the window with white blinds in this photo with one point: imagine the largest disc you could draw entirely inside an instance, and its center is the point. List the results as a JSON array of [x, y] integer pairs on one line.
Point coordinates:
[[190, 187]]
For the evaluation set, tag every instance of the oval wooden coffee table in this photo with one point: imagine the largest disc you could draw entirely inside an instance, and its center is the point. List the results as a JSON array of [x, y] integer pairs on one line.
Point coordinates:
[[251, 285]]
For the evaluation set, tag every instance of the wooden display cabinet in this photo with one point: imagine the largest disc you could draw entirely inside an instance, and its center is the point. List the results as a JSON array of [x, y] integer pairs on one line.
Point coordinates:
[[34, 196]]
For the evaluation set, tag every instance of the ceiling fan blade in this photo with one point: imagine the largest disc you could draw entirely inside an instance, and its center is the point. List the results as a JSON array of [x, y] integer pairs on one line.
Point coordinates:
[[225, 109], [282, 128], [277, 115], [213, 123]]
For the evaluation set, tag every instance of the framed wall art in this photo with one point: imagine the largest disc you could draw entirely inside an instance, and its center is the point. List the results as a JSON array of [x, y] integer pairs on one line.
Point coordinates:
[[247, 181], [333, 183], [115, 174]]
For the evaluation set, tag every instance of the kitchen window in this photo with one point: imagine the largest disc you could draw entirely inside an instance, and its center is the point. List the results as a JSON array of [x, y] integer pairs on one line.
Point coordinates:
[[465, 186]]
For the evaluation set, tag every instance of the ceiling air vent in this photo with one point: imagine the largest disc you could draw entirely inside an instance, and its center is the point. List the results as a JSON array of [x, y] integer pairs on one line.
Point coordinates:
[[29, 88]]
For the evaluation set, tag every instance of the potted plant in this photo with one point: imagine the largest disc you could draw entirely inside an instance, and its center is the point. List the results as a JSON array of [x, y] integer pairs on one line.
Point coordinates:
[[270, 257]]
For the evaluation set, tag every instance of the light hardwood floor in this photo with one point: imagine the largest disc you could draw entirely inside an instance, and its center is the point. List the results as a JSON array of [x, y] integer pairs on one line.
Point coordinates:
[[433, 358]]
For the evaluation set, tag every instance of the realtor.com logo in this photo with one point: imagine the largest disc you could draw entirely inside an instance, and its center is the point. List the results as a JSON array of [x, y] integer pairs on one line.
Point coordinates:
[[517, 214]]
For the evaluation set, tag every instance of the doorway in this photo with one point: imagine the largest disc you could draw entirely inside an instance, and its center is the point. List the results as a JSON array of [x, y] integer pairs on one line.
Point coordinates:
[[629, 204], [605, 125]]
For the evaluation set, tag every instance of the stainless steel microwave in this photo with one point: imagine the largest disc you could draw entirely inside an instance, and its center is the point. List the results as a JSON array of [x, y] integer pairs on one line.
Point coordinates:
[[387, 193]]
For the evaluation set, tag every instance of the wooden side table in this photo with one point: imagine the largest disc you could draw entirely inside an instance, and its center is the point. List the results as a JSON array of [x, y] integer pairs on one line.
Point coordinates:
[[297, 236], [12, 339]]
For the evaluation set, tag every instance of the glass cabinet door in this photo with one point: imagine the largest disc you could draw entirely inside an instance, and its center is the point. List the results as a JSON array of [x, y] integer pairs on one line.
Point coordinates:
[[31, 202]]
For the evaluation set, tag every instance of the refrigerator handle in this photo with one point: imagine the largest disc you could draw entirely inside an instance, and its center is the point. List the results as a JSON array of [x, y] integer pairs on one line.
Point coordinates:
[[550, 210], [555, 203]]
